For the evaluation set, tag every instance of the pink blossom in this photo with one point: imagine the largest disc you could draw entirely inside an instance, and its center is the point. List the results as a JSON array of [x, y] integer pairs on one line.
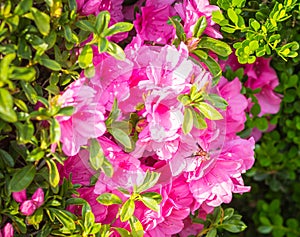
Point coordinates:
[[28, 206], [224, 178], [191, 10], [20, 196], [86, 122], [7, 231], [151, 24], [87, 7], [237, 104]]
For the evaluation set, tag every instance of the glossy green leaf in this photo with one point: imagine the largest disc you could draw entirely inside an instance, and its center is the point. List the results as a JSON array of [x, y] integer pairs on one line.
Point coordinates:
[[108, 199], [217, 101], [123, 232], [107, 168], [187, 124], [217, 46], [42, 21], [22, 73], [35, 155], [209, 111], [212, 233], [198, 121], [6, 158], [24, 51], [122, 137], [36, 218], [116, 51], [102, 44], [53, 173], [4, 66], [232, 16], [51, 64], [118, 28], [127, 210], [179, 29], [102, 21], [22, 178], [235, 226], [25, 131], [64, 218], [85, 25], [214, 68], [150, 203], [23, 7], [96, 154], [55, 131], [7, 112], [199, 27], [156, 196], [149, 181], [136, 226], [85, 58]]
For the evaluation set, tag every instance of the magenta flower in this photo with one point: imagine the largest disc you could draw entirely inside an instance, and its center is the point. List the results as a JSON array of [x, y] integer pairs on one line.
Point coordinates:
[[28, 206], [7, 231], [237, 104], [151, 24]]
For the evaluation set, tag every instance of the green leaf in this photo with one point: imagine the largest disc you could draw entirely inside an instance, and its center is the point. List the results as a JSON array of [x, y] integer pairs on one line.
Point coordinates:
[[24, 51], [127, 210], [212, 233], [198, 121], [85, 25], [85, 58], [108, 199], [102, 44], [217, 101], [42, 21], [122, 137], [149, 181], [7, 112], [214, 68], [235, 226], [24, 131], [36, 218], [102, 21], [23, 7], [66, 111], [116, 51], [187, 124], [136, 226], [150, 203], [22, 178], [233, 16], [265, 229], [208, 111], [6, 158], [96, 154], [217, 46], [22, 73], [53, 173], [156, 196], [118, 28], [68, 33], [179, 29], [4, 66], [35, 155], [122, 232], [200, 27], [107, 168], [55, 132], [51, 64], [64, 218]]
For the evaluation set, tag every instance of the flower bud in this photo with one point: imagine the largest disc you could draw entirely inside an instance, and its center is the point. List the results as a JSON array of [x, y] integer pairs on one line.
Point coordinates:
[[28, 207], [38, 197], [20, 196], [7, 231]]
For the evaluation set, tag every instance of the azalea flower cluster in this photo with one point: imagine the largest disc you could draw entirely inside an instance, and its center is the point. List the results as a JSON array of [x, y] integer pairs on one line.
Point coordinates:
[[132, 109]]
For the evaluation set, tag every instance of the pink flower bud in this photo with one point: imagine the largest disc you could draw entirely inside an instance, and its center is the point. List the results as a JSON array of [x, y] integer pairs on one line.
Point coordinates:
[[28, 207], [20, 196], [38, 197], [7, 231]]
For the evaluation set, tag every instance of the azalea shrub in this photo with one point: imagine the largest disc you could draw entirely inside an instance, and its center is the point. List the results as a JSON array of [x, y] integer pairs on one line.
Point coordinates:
[[139, 118]]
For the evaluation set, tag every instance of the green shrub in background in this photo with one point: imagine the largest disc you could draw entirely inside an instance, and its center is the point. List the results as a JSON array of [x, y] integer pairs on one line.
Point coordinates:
[[272, 208]]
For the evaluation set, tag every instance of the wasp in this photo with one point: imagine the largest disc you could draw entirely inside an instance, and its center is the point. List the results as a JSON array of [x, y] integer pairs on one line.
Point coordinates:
[[201, 153]]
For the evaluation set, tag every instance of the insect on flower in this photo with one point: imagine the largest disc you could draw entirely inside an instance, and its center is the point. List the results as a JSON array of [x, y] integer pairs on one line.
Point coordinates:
[[200, 154]]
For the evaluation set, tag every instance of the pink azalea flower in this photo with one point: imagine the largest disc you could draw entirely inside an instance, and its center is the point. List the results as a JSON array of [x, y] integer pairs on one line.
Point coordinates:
[[151, 24], [224, 178], [86, 122], [28, 206], [191, 10], [87, 7], [262, 75], [7, 231], [237, 104]]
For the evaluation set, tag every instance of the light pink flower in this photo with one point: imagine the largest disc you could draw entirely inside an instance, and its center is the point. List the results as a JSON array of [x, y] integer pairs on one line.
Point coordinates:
[[86, 122], [224, 177], [151, 24], [7, 231], [191, 10]]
